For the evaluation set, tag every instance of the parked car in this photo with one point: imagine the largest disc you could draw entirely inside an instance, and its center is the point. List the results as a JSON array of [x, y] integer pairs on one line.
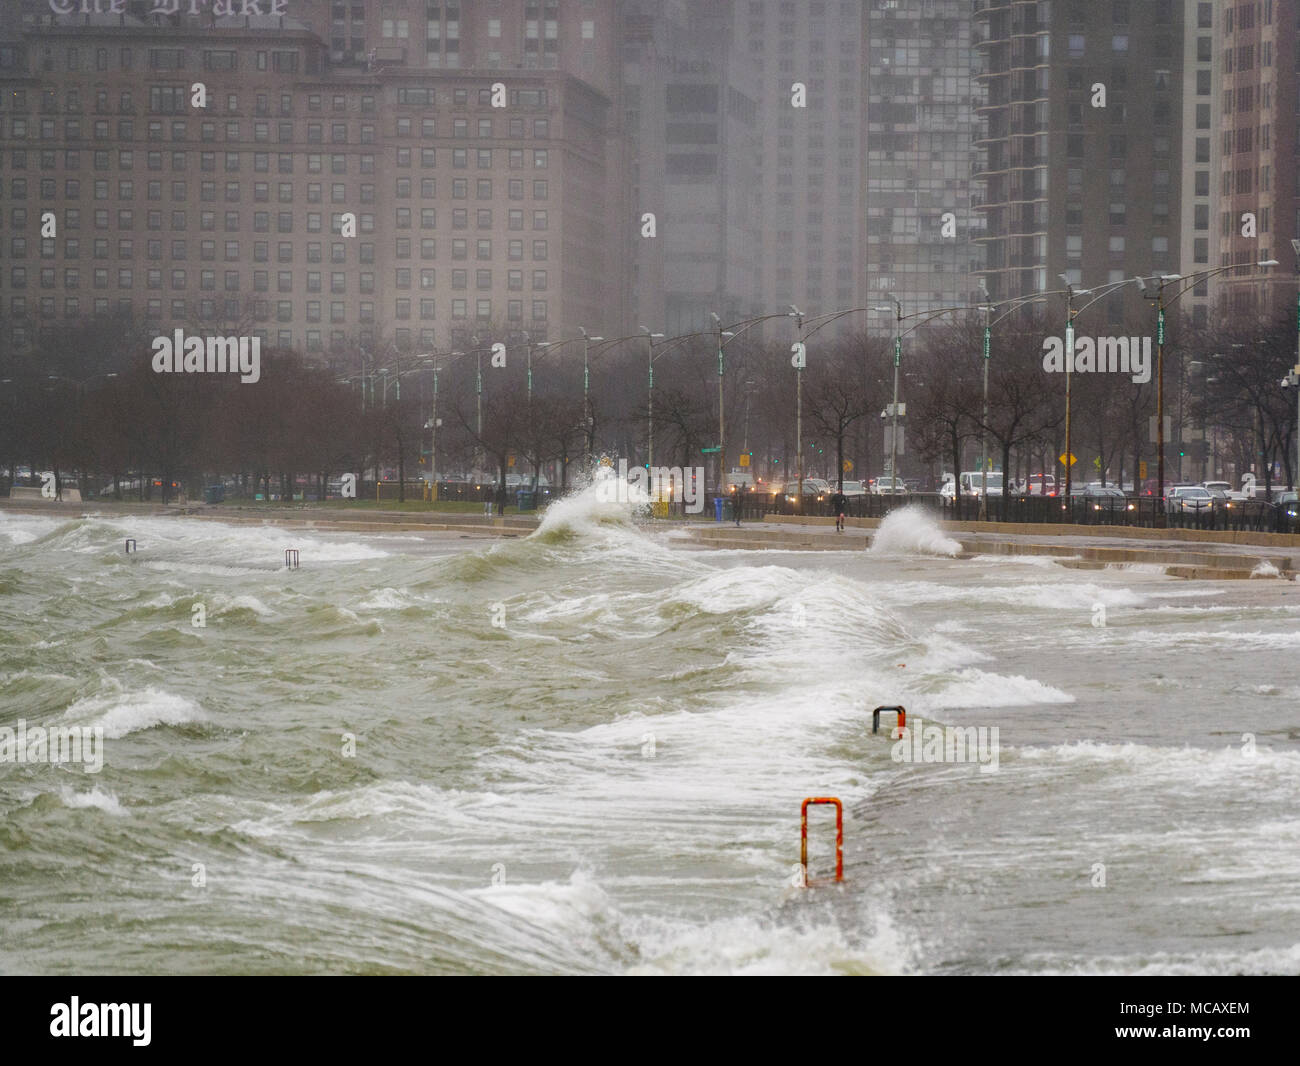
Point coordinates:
[[888, 486], [973, 485], [1103, 497], [1223, 490], [1189, 499], [810, 491], [1038, 485]]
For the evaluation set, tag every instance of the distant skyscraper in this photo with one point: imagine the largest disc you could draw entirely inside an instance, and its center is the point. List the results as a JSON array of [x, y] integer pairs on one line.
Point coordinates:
[[691, 116], [922, 228], [1073, 187], [1203, 84], [810, 166], [1256, 44]]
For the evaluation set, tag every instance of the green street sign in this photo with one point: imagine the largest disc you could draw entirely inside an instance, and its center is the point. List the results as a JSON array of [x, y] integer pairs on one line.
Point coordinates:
[[898, 350], [710, 451], [988, 333], [1160, 327]]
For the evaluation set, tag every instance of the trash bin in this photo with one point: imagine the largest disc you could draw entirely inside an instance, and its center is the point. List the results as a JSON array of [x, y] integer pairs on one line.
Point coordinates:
[[525, 499], [723, 509], [214, 494]]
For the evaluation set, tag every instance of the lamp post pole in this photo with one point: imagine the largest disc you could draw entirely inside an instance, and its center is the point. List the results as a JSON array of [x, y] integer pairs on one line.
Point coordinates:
[[722, 440], [478, 404], [1160, 394], [984, 431], [433, 435], [898, 359], [1295, 372], [650, 394], [588, 423], [1069, 365], [802, 357]]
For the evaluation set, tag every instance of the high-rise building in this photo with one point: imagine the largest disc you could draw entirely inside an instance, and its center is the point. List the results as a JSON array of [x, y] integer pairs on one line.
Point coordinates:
[[1258, 179], [691, 115], [1084, 140], [482, 196], [810, 166], [1202, 79], [923, 231]]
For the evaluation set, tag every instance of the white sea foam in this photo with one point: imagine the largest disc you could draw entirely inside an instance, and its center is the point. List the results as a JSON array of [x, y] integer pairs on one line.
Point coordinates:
[[99, 799], [912, 531], [121, 713]]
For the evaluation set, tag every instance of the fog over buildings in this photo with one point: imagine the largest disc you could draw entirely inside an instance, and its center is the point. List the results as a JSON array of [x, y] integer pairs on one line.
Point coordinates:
[[937, 143]]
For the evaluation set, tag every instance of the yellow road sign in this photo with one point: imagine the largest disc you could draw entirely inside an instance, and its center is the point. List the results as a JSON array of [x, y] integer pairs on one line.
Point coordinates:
[[744, 459], [1061, 459], [848, 466]]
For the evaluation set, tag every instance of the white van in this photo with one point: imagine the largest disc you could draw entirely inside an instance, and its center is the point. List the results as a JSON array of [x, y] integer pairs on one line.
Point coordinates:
[[971, 484]]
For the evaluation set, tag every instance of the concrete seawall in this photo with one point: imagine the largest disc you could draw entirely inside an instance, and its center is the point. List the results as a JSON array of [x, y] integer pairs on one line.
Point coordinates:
[[1077, 547]]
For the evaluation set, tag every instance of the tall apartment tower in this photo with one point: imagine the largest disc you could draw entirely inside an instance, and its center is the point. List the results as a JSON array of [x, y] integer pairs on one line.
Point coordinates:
[[810, 167], [1203, 81], [691, 116], [923, 232], [1258, 147], [469, 215], [1084, 140]]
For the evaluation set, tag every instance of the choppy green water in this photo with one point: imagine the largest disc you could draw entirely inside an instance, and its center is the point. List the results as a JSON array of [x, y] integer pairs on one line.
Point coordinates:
[[585, 752]]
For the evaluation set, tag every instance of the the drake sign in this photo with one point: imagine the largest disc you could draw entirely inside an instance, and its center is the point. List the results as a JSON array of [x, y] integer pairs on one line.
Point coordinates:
[[172, 7]]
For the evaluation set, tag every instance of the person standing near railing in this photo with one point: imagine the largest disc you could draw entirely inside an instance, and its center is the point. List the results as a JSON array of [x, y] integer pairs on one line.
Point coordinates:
[[839, 503]]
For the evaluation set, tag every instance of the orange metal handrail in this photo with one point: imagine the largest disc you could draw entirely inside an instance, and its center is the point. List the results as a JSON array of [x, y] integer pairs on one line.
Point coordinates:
[[839, 835], [875, 717]]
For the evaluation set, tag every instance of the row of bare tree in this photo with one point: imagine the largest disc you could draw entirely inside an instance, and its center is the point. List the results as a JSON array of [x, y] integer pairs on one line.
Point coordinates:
[[85, 400]]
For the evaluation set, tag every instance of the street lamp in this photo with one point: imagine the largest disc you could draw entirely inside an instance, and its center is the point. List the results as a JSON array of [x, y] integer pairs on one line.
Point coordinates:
[[802, 354], [897, 311], [1295, 371], [586, 389], [1161, 303], [722, 444], [984, 424], [650, 393], [1070, 290], [531, 346]]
